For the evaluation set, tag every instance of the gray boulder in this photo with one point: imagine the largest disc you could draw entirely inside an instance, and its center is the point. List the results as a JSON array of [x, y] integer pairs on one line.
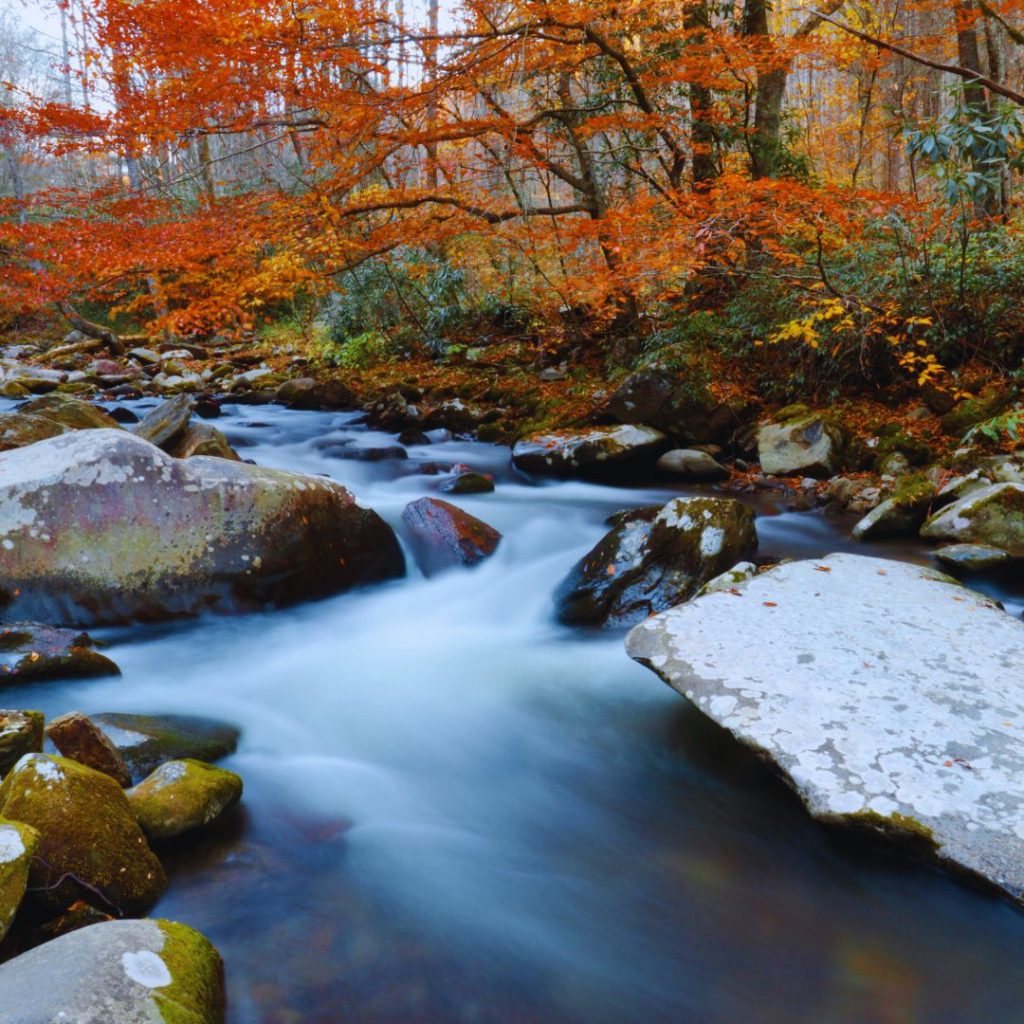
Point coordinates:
[[117, 972], [992, 515], [102, 526], [885, 693], [444, 536], [573, 452], [690, 464], [647, 563], [972, 557], [809, 444]]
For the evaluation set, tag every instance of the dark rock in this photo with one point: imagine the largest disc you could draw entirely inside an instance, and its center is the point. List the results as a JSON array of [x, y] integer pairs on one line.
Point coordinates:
[[90, 845], [444, 536], [307, 393], [411, 436], [146, 741], [79, 738], [207, 408], [590, 451], [122, 414], [992, 401], [30, 651], [643, 565], [117, 972], [167, 422], [972, 557], [367, 453], [21, 732], [457, 416], [468, 483], [202, 439], [102, 526]]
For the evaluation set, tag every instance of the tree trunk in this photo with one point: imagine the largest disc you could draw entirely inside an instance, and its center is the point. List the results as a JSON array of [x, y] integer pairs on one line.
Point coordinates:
[[703, 136]]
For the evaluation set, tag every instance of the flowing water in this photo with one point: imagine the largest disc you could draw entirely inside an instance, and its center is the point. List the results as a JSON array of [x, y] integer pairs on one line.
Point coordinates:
[[457, 810]]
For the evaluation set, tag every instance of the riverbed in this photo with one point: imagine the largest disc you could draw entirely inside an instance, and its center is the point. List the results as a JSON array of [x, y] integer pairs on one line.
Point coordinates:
[[457, 810]]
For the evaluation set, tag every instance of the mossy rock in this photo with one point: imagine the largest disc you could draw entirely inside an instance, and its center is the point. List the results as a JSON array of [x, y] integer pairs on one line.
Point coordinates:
[[993, 401], [992, 515], [30, 652], [811, 444], [202, 439], [902, 513], [468, 483], [117, 972], [739, 573], [183, 795], [18, 843], [972, 557], [21, 732], [893, 441], [71, 413], [17, 430], [146, 741], [90, 845]]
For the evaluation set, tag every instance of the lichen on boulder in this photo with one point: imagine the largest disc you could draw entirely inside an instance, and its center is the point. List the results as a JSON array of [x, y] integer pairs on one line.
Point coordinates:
[[21, 732], [18, 843], [183, 795], [808, 443], [991, 515], [589, 451]]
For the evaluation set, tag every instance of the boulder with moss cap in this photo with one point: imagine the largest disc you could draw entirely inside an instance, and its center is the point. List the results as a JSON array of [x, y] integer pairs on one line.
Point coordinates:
[[31, 651], [18, 843], [590, 451], [992, 515], [90, 845], [801, 442], [182, 795], [647, 563], [102, 526], [117, 972], [886, 694]]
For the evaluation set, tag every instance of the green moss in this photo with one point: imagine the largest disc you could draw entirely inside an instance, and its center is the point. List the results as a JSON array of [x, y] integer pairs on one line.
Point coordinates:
[[899, 827], [196, 992]]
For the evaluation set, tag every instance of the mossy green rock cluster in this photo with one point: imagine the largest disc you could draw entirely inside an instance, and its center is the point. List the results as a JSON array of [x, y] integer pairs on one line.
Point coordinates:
[[801, 442], [90, 844], [102, 526], [117, 972], [991, 515], [646, 564], [18, 843], [182, 795], [991, 402], [901, 513]]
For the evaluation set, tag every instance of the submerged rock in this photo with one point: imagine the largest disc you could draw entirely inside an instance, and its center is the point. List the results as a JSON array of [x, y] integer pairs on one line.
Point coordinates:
[[147, 741], [117, 972], [566, 452], [645, 565], [886, 693], [101, 526], [443, 536], [468, 483], [30, 651], [21, 732], [972, 557], [183, 795], [18, 843], [90, 845], [808, 443], [992, 515], [76, 736]]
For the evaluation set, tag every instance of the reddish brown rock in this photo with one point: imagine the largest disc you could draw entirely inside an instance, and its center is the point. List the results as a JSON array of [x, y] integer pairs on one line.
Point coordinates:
[[76, 736], [444, 536]]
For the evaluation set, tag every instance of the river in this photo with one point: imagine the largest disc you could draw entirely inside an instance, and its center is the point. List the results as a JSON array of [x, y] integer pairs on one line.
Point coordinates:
[[459, 812]]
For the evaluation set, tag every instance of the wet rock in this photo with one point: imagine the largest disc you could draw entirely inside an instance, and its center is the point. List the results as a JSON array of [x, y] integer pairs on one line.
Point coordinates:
[[568, 452], [903, 513], [166, 423], [145, 355], [80, 739], [690, 464], [18, 430], [412, 437], [886, 693], [207, 408], [809, 444], [182, 795], [307, 393], [117, 972], [972, 557], [146, 741], [370, 453], [739, 573], [468, 483], [644, 566], [18, 844], [992, 515], [682, 409], [393, 413], [457, 416], [444, 536], [21, 732], [30, 651], [123, 415], [202, 439], [101, 526], [90, 845]]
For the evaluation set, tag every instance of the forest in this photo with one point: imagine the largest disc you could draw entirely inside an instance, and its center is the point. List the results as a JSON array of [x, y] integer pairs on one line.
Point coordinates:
[[392, 392]]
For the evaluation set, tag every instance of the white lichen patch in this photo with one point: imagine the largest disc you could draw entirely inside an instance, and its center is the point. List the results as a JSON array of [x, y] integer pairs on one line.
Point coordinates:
[[144, 967], [12, 846], [880, 688], [711, 540]]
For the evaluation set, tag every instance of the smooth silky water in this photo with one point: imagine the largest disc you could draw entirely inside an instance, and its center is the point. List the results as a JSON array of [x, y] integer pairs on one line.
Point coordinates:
[[457, 810]]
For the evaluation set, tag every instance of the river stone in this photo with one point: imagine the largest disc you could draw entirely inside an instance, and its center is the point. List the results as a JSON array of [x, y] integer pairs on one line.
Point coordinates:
[[739, 573], [468, 483], [117, 972], [809, 444], [566, 452], [972, 557], [992, 515], [903, 513], [886, 693], [19, 429], [307, 393], [444, 536], [147, 741], [18, 843], [76, 736], [202, 439], [102, 526], [183, 795], [691, 465], [644, 565], [21, 732], [163, 425], [90, 845], [70, 413], [30, 651]]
